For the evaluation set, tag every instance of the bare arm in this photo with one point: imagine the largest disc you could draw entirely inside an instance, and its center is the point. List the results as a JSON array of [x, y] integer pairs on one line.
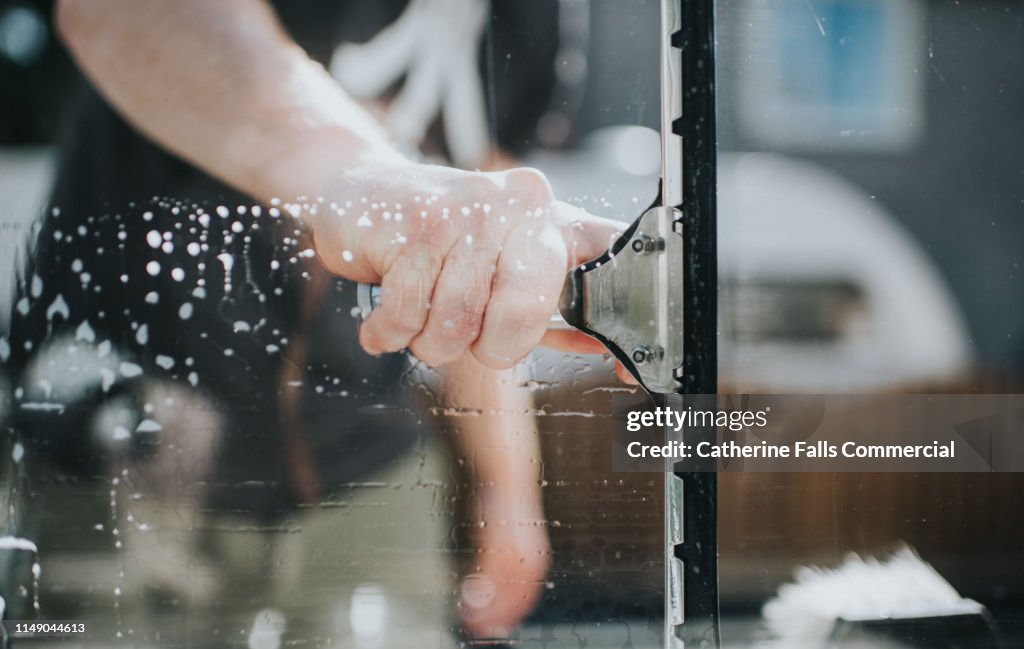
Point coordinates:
[[223, 86]]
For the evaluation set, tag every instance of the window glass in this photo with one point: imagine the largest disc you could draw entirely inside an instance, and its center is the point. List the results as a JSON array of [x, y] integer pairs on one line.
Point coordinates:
[[870, 243], [198, 451]]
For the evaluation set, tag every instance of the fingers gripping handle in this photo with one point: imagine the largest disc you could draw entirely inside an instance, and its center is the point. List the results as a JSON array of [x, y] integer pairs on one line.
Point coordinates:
[[629, 298], [368, 298]]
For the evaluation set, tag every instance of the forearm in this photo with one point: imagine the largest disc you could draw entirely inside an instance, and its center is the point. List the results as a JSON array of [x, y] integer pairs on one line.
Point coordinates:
[[222, 85]]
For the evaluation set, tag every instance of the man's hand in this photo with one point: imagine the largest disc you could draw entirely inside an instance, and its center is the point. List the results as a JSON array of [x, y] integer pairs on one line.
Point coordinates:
[[466, 260]]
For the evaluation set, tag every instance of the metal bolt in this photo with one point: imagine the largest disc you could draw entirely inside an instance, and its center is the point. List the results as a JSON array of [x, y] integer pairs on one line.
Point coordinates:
[[645, 245], [642, 354]]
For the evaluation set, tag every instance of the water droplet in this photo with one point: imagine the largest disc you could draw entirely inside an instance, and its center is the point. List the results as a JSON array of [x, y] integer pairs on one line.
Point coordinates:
[[267, 629], [148, 426], [58, 307], [85, 333], [185, 312], [228, 262], [130, 370], [107, 379], [368, 614]]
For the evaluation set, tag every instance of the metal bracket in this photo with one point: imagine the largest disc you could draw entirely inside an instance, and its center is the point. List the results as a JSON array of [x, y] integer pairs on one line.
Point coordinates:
[[631, 299]]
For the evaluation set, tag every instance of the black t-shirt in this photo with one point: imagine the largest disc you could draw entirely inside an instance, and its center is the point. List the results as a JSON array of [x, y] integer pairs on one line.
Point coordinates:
[[107, 164], [189, 280]]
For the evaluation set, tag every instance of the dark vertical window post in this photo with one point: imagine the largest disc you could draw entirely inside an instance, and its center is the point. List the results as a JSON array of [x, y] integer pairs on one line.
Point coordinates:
[[694, 42]]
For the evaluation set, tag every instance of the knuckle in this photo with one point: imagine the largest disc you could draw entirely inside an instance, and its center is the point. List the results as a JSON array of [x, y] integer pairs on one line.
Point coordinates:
[[531, 183], [470, 321], [461, 313], [462, 326], [481, 184], [434, 235]]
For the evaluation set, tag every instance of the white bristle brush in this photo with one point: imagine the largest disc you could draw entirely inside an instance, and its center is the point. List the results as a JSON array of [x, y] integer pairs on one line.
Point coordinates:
[[804, 612]]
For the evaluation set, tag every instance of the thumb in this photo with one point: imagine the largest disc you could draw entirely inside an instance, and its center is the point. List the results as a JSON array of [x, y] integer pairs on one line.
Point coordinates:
[[586, 236]]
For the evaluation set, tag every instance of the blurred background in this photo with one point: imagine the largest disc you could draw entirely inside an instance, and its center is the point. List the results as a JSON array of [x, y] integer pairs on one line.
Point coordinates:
[[871, 236]]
